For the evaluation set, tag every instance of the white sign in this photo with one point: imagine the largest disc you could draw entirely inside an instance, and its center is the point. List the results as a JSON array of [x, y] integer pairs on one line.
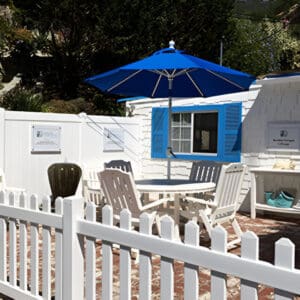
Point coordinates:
[[113, 139], [284, 136], [45, 139]]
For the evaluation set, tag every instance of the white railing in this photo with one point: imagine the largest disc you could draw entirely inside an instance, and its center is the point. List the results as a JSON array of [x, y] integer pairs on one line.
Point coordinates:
[[27, 233]]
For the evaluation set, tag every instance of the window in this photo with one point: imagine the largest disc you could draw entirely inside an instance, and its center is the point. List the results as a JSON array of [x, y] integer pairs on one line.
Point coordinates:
[[181, 132], [208, 132], [195, 132]]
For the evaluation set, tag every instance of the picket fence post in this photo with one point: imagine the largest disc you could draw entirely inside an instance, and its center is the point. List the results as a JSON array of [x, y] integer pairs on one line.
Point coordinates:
[[191, 276], [249, 250], [166, 263], [218, 280], [73, 250], [145, 267], [3, 245], [284, 258]]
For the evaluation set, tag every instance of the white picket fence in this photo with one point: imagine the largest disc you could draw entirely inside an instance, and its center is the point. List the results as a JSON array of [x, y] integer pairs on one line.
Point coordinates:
[[27, 262]]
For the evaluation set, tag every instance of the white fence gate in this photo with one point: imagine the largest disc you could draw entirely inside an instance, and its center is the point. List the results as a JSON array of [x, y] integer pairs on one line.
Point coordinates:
[[44, 254]]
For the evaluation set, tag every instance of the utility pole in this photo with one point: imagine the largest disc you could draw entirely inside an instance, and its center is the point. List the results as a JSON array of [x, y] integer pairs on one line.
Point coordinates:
[[221, 51]]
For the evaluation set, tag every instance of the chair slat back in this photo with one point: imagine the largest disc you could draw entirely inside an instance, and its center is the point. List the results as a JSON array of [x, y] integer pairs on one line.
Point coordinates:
[[120, 191], [119, 164], [63, 179], [228, 190], [91, 178], [205, 171]]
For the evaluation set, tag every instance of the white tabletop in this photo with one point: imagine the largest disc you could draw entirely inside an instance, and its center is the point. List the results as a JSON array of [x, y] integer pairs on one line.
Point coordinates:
[[173, 186]]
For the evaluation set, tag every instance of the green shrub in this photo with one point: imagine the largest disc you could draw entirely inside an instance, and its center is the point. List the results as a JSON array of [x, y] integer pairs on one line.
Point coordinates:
[[21, 99], [74, 106]]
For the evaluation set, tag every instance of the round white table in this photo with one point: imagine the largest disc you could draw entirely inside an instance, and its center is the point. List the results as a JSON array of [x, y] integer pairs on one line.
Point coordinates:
[[176, 187]]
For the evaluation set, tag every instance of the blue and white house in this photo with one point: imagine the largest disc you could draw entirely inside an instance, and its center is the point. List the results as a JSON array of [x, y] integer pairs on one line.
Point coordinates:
[[228, 128]]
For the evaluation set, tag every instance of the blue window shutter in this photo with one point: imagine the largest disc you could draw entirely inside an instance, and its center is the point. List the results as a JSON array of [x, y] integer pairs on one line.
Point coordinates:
[[159, 138], [230, 139]]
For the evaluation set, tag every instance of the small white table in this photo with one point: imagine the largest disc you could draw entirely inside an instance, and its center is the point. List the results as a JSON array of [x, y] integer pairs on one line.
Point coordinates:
[[176, 187], [257, 189]]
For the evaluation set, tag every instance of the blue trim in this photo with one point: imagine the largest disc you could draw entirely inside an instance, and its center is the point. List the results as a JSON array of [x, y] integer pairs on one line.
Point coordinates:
[[229, 132], [159, 132], [130, 99], [195, 108]]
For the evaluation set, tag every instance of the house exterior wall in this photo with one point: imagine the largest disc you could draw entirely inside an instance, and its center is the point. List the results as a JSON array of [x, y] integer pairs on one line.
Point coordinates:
[[271, 100]]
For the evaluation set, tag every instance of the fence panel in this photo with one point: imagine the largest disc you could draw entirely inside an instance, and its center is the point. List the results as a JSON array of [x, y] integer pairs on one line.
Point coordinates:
[[72, 229]]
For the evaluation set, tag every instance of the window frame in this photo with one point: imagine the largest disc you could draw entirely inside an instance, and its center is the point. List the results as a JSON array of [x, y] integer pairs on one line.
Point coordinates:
[[229, 132], [192, 113]]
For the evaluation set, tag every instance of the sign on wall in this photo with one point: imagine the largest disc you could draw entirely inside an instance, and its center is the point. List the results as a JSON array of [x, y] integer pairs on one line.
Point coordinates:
[[283, 136], [113, 139], [45, 139]]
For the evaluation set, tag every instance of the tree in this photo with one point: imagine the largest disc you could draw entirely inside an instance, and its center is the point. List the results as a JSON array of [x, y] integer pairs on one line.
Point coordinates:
[[134, 29], [260, 47], [87, 37], [68, 32]]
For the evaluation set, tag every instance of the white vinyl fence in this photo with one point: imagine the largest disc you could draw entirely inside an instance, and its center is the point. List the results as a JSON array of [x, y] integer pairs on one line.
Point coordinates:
[[82, 139], [67, 270]]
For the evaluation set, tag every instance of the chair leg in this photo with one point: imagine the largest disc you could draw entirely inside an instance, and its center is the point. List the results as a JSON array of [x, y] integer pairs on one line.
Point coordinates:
[[238, 231], [237, 228], [206, 222]]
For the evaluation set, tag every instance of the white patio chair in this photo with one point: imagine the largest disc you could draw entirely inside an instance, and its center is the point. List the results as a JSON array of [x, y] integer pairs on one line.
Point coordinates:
[[91, 189], [222, 207], [205, 171], [120, 192], [119, 164]]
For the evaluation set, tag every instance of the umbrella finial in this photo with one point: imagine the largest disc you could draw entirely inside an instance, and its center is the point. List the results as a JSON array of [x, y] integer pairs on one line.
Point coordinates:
[[172, 44]]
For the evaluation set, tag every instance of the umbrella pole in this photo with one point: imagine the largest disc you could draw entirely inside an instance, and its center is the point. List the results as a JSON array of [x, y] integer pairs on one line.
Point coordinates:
[[169, 149]]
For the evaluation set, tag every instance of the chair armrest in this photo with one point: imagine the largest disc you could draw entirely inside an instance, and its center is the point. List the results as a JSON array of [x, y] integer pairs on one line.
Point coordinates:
[[201, 201], [157, 203]]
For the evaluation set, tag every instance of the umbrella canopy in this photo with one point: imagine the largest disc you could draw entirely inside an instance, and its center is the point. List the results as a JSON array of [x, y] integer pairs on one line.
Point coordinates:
[[172, 73], [191, 76]]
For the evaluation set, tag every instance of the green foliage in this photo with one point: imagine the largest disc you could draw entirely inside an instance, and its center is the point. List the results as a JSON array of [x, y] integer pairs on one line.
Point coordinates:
[[77, 39], [5, 33], [140, 27], [21, 99], [257, 10], [60, 106], [261, 47], [69, 32]]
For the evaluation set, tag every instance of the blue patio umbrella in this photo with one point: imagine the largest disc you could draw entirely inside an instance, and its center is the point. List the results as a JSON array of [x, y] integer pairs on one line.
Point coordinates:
[[172, 73]]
